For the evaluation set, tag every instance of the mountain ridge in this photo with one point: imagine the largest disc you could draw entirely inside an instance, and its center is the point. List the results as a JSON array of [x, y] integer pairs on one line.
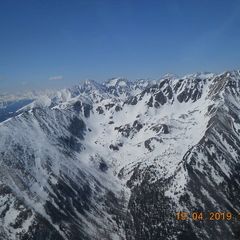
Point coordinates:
[[98, 162]]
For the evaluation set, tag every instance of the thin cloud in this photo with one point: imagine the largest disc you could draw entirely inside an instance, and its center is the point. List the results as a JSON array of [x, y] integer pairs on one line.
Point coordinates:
[[56, 78], [24, 83]]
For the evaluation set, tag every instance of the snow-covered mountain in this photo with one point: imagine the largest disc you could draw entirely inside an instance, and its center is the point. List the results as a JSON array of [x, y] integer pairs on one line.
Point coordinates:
[[117, 160]]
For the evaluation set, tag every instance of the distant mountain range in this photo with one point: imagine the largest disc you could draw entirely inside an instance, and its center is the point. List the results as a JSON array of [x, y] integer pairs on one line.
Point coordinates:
[[117, 160]]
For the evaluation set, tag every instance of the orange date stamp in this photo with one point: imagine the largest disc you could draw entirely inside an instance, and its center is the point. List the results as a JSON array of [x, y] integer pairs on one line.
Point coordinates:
[[211, 216]]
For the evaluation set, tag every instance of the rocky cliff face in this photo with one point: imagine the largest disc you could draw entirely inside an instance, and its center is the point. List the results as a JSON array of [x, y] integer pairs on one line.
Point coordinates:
[[117, 161]]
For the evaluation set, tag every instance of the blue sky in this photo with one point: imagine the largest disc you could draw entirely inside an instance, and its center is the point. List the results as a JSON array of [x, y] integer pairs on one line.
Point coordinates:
[[49, 43]]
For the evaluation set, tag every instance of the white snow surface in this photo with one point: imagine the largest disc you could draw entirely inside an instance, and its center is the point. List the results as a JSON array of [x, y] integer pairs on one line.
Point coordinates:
[[187, 123]]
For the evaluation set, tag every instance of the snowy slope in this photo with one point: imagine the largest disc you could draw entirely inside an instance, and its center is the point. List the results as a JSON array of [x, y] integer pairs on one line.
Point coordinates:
[[117, 160]]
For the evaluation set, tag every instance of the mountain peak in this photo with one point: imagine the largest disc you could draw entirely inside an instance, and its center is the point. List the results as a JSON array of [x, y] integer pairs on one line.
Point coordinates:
[[89, 159], [119, 81]]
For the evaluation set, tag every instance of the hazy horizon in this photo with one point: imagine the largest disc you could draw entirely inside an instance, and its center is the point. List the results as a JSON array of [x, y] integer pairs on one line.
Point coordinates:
[[56, 44]]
